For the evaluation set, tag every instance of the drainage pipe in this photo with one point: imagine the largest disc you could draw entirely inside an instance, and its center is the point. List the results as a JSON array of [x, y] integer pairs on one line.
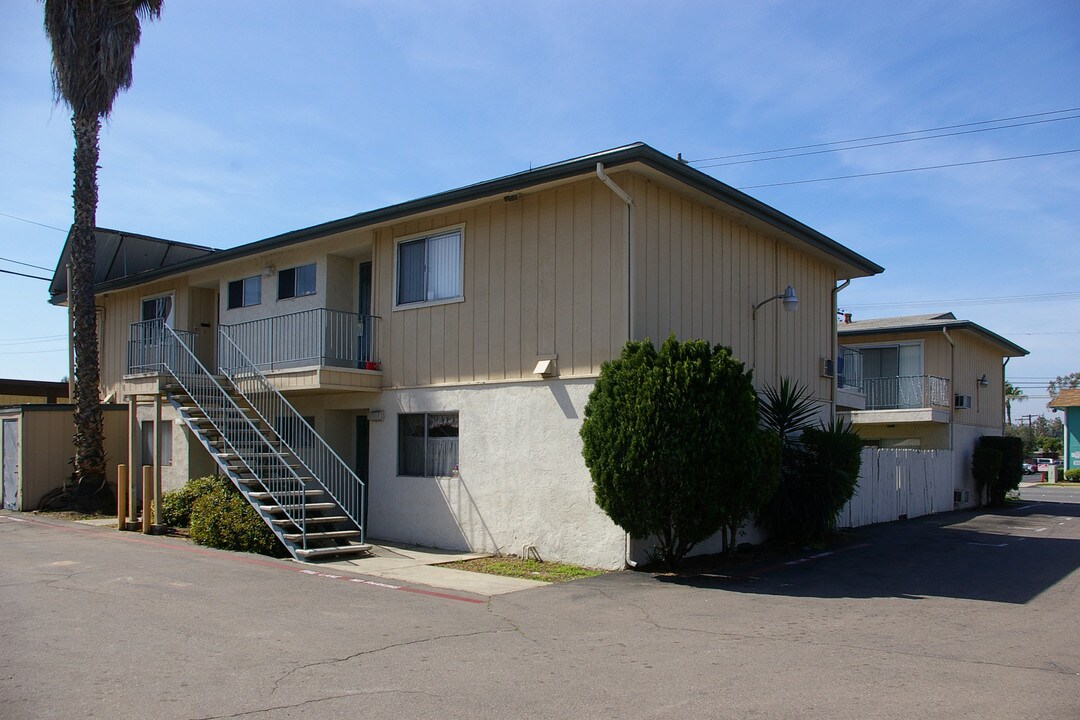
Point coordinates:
[[952, 383], [630, 303], [625, 197], [835, 347]]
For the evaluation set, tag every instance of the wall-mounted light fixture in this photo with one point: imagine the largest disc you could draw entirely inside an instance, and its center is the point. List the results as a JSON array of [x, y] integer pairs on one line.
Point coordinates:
[[376, 415], [791, 304], [984, 381], [269, 271]]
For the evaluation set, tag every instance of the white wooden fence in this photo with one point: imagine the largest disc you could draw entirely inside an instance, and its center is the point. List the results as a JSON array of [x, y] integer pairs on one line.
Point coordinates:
[[899, 483]]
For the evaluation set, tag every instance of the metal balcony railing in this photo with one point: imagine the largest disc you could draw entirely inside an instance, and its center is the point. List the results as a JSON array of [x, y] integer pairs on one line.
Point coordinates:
[[905, 392], [849, 371], [153, 346], [311, 337]]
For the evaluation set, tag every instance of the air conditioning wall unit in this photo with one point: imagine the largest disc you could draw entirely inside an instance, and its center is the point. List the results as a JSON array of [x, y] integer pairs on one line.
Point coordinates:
[[961, 496], [828, 368], [962, 402]]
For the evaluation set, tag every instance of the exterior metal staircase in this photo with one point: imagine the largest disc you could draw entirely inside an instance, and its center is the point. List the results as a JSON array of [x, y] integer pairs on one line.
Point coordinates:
[[306, 494]]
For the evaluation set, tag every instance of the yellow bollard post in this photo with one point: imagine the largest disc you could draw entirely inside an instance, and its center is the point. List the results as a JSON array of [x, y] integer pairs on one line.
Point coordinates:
[[121, 497], [147, 496]]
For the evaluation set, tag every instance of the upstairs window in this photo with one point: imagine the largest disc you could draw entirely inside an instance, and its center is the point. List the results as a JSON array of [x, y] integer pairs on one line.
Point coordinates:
[[296, 282], [429, 269], [245, 293]]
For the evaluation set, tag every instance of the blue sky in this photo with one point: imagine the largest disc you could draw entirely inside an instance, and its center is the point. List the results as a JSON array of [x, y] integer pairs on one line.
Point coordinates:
[[251, 118]]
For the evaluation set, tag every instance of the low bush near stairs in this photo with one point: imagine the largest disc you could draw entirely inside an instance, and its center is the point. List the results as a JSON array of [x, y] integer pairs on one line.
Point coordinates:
[[223, 519], [176, 505]]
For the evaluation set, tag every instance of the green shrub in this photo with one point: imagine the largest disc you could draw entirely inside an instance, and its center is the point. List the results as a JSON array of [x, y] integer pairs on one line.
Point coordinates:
[[176, 504], [986, 469], [1072, 475], [819, 477], [1011, 471], [669, 437], [223, 519]]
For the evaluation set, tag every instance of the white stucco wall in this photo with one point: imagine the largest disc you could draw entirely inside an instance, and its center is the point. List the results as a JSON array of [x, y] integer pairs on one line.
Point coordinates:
[[521, 479], [189, 459], [965, 437]]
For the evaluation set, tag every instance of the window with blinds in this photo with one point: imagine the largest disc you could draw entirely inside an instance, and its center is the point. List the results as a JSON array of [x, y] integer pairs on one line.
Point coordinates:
[[429, 269]]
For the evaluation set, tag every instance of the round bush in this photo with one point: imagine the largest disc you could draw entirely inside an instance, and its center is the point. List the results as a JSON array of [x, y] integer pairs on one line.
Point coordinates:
[[223, 519], [176, 505], [1072, 475]]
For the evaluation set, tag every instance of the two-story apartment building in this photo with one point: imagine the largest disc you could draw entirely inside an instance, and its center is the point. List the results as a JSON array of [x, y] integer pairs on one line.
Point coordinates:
[[925, 381], [438, 353]]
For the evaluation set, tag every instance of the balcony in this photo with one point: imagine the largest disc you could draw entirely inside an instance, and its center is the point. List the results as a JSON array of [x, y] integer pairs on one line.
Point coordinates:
[[313, 350], [912, 398], [316, 350]]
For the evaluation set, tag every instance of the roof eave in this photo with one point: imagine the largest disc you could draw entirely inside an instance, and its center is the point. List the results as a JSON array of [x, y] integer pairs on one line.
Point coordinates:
[[636, 152]]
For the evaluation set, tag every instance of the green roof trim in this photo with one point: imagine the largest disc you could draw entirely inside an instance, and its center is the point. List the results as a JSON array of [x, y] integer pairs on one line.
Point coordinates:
[[584, 165]]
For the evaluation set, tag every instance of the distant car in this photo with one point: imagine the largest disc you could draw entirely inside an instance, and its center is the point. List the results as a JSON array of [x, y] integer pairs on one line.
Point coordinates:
[[1028, 468]]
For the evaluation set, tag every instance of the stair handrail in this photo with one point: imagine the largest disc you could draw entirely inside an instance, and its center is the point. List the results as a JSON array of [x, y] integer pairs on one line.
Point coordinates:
[[331, 472], [284, 497]]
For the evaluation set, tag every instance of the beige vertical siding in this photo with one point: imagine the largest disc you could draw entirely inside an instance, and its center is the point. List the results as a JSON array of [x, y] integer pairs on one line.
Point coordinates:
[[545, 273], [699, 274], [46, 448], [124, 307], [539, 279]]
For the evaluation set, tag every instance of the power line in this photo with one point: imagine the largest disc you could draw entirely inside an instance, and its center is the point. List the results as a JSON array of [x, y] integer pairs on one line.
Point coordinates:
[[16, 217], [33, 352], [889, 135], [1045, 297], [887, 142], [51, 338], [33, 337], [17, 262], [908, 170], [35, 277]]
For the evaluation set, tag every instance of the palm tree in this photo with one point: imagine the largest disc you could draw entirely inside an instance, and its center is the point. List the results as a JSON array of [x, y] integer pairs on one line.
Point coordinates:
[[1012, 393], [93, 45]]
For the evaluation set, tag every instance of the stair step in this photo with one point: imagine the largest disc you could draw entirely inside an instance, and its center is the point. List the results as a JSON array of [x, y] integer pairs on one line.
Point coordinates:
[[293, 508], [350, 549], [281, 522], [329, 535], [270, 496]]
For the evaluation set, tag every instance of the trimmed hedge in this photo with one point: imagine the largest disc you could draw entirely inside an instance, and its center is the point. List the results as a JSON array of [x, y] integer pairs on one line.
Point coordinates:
[[1072, 475], [1010, 469]]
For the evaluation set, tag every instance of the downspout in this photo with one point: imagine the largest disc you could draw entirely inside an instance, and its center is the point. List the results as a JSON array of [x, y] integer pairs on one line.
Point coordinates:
[[835, 348], [625, 197], [630, 303], [1003, 364], [952, 383]]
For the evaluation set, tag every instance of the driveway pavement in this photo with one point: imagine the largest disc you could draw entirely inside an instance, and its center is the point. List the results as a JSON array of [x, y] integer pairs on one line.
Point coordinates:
[[962, 615]]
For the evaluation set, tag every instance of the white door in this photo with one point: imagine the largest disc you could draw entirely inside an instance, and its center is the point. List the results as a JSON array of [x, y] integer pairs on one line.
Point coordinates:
[[10, 495]]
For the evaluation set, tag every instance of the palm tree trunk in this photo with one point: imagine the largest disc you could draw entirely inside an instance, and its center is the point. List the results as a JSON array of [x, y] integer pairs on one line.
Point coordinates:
[[89, 437]]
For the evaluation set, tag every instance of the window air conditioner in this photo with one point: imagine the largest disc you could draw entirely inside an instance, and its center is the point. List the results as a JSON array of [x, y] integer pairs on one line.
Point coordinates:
[[827, 367], [962, 402]]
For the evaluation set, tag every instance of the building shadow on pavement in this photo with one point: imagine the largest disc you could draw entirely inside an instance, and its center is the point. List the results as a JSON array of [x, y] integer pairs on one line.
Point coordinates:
[[1011, 555]]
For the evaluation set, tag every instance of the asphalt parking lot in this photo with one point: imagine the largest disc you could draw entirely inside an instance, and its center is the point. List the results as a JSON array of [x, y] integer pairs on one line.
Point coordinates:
[[960, 615]]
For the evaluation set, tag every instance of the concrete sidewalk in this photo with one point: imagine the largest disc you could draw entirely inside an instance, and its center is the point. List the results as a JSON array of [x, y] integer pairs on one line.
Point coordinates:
[[421, 566], [410, 564]]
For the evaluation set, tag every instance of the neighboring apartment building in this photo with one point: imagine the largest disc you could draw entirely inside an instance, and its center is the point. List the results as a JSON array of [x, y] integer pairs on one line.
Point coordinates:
[[925, 382], [1068, 401], [444, 348]]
